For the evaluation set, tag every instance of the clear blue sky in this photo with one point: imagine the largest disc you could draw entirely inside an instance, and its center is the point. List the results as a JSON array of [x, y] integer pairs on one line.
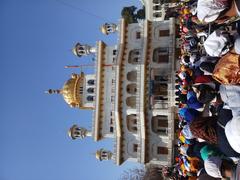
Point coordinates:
[[35, 41]]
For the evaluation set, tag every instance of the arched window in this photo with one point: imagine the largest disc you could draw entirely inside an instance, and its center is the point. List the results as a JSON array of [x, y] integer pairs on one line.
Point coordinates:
[[161, 55], [132, 88], [157, 14], [134, 56], [160, 89], [132, 76], [160, 125], [131, 101], [90, 98], [156, 8], [90, 90], [91, 82], [132, 123]]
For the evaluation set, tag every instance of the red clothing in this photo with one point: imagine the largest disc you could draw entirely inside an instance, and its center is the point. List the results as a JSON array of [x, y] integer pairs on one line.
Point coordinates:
[[203, 79]]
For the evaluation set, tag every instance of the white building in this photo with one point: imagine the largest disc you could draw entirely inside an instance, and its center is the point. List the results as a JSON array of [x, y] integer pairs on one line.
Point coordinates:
[[131, 93], [156, 10]]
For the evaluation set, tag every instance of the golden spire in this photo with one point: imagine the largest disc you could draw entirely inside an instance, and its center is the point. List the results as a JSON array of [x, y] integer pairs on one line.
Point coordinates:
[[54, 91]]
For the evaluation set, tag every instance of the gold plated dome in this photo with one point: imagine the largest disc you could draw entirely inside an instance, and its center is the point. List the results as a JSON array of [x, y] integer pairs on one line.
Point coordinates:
[[71, 90]]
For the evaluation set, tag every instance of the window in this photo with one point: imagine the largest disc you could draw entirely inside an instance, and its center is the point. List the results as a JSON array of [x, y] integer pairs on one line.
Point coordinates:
[[132, 88], [132, 123], [111, 121], [138, 35], [132, 76], [163, 33], [160, 124], [161, 55], [91, 82], [160, 89], [156, 8], [134, 56], [131, 101], [111, 129], [90, 90], [162, 150], [90, 98], [135, 147], [163, 58], [157, 14]]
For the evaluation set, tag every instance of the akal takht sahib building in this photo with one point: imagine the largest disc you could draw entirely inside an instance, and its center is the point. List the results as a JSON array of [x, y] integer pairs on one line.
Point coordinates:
[[131, 93]]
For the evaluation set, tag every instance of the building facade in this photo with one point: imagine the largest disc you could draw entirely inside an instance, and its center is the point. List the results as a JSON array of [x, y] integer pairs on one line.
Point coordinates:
[[131, 93], [157, 10]]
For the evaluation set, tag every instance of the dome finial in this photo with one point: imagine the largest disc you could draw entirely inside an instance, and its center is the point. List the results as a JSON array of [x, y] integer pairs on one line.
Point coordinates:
[[53, 91]]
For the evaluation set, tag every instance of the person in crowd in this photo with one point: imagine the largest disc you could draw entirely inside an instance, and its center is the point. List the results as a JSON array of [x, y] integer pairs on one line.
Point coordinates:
[[221, 168], [217, 10]]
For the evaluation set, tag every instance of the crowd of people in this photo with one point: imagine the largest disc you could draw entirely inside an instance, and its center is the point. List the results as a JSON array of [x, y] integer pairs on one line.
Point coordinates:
[[208, 90]]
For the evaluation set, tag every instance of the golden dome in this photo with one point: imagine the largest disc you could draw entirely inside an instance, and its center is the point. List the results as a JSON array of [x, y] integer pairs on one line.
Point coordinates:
[[71, 90], [98, 155], [104, 30]]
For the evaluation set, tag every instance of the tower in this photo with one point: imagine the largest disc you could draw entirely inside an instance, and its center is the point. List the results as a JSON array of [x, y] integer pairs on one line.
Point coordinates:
[[76, 132], [108, 28], [83, 50], [103, 154]]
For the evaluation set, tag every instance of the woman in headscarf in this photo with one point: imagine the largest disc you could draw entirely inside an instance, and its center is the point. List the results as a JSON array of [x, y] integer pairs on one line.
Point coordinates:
[[212, 130]]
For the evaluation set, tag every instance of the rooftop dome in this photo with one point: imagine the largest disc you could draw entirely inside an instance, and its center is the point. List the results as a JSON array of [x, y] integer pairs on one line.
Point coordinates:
[[71, 90]]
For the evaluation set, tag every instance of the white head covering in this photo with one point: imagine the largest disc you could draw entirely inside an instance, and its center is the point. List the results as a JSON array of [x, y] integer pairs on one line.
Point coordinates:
[[187, 132], [232, 131], [209, 10], [237, 45], [215, 44], [212, 166]]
